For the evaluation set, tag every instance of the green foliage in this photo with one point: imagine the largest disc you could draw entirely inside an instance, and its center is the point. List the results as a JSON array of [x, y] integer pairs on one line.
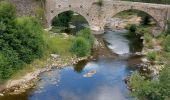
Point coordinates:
[[147, 37], [100, 2], [167, 44], [127, 13], [164, 82], [63, 19], [80, 47], [21, 40], [132, 28], [151, 56], [83, 43], [7, 14], [86, 34], [167, 32], [145, 19], [145, 89], [59, 45], [29, 42]]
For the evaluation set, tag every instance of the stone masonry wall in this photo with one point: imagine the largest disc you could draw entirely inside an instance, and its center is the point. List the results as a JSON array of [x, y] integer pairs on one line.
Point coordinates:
[[25, 7]]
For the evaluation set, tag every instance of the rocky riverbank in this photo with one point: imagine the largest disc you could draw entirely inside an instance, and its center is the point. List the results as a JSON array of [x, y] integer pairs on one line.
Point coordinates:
[[152, 66], [30, 79]]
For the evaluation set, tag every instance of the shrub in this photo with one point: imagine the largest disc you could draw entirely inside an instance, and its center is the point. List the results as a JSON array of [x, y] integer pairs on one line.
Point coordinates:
[[21, 40], [167, 44], [100, 2], [151, 56], [63, 19], [7, 13], [80, 47], [146, 89], [167, 32], [145, 19], [147, 37], [132, 28], [86, 34], [29, 42]]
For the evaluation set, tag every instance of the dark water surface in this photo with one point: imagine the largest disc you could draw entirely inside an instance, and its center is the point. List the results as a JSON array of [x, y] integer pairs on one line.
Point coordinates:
[[71, 83]]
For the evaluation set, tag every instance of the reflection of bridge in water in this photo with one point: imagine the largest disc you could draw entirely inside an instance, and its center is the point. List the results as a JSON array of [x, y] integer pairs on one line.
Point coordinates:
[[97, 16]]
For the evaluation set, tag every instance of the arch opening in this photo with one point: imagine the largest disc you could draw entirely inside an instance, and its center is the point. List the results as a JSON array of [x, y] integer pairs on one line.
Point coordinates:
[[69, 22], [133, 16], [132, 24]]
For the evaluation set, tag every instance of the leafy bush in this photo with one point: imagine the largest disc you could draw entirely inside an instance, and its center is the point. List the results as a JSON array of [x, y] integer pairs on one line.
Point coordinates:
[[80, 47], [21, 40], [86, 34], [147, 37], [151, 56], [100, 2], [167, 44], [146, 89], [132, 28], [63, 19], [30, 43], [146, 19], [167, 32]]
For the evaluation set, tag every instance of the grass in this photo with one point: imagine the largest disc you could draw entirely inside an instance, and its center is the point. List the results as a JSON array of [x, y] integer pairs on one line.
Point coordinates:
[[151, 56], [58, 29], [56, 44], [59, 44]]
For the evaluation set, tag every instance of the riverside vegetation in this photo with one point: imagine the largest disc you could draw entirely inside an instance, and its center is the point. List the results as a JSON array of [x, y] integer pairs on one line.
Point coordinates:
[[25, 46], [156, 50], [151, 87]]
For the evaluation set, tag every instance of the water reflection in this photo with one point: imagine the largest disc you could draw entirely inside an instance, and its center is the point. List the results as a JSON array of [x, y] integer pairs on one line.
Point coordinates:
[[107, 83], [80, 66], [117, 41], [121, 42]]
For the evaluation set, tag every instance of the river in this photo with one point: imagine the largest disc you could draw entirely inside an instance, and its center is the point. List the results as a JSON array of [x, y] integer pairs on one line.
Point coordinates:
[[106, 81]]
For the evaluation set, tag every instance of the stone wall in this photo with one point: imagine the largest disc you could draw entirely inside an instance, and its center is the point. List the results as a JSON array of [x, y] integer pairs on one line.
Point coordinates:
[[25, 7]]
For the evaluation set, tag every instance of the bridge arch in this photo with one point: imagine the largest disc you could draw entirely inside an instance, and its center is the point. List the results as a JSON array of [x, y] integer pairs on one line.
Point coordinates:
[[81, 12], [160, 21]]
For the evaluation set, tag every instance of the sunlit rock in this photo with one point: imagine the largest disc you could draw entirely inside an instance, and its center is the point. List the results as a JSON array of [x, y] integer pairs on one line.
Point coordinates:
[[90, 73]]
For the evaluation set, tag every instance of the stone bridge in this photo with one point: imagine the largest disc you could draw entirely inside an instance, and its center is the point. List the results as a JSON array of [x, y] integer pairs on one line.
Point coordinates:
[[98, 16]]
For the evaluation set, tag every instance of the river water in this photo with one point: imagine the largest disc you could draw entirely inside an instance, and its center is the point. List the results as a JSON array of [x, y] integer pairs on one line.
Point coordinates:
[[106, 81]]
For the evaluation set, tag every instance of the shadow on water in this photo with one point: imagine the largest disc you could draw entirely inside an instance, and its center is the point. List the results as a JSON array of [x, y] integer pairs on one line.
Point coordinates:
[[80, 66]]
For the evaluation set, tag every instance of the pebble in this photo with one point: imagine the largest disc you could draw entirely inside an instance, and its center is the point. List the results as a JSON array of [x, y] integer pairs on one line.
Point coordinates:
[[1, 94]]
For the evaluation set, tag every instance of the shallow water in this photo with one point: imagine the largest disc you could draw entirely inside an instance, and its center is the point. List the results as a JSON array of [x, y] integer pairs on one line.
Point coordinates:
[[117, 41]]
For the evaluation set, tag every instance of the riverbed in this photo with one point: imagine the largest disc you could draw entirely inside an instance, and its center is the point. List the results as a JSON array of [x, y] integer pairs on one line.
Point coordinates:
[[101, 78]]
